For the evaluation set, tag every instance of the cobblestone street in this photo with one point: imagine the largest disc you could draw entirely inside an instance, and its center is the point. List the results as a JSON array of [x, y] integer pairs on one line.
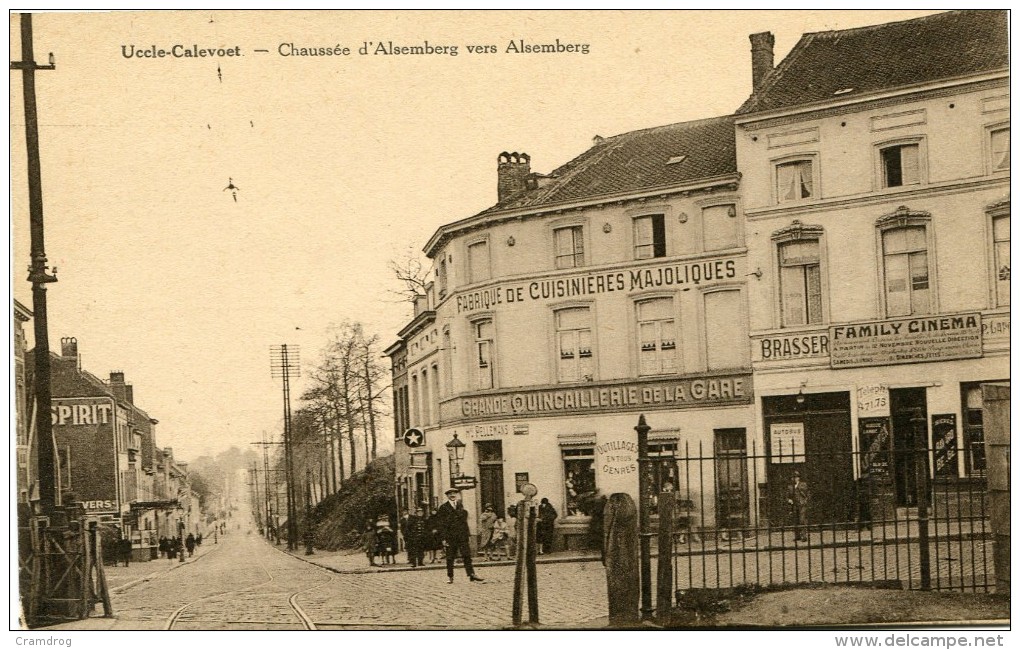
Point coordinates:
[[246, 583]]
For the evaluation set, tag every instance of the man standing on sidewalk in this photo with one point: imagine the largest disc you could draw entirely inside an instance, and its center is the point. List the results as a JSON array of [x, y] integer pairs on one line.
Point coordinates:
[[798, 500], [453, 528]]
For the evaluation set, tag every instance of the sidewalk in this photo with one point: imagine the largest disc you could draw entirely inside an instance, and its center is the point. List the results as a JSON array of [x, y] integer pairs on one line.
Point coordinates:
[[354, 561], [121, 578]]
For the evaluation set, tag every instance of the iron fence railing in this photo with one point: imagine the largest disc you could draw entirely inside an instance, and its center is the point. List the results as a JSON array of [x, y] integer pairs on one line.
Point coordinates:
[[860, 517]]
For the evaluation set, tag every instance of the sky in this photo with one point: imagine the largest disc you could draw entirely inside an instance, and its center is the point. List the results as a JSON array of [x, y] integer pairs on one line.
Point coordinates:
[[342, 163]]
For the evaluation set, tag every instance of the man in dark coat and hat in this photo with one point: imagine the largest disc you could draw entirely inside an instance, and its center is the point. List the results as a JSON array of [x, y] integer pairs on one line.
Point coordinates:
[[452, 520]]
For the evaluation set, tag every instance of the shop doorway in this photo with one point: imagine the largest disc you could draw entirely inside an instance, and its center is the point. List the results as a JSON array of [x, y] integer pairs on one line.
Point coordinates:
[[731, 478], [909, 410], [809, 433], [490, 475]]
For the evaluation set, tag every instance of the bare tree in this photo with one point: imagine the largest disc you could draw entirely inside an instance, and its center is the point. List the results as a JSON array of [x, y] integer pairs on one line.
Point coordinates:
[[412, 272], [374, 387]]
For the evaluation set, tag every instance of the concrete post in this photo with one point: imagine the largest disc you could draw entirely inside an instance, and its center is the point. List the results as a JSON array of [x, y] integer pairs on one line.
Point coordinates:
[[996, 430], [621, 559]]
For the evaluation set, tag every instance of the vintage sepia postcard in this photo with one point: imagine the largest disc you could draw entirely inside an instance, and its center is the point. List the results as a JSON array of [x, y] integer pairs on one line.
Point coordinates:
[[498, 320]]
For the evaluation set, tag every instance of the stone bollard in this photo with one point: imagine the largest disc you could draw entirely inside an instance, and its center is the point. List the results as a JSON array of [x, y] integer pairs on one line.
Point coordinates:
[[620, 542]]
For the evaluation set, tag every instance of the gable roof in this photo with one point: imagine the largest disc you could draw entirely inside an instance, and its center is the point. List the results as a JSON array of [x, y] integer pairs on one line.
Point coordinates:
[[636, 161], [856, 61]]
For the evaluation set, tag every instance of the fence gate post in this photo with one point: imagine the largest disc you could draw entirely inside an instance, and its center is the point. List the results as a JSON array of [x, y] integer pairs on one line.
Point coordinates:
[[996, 418], [664, 576], [920, 455]]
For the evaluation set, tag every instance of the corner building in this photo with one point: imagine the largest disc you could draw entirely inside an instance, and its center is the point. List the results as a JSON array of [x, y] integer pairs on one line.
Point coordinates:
[[610, 287], [875, 176]]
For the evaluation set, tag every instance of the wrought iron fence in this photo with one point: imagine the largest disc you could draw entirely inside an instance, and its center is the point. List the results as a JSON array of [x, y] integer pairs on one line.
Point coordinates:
[[857, 517]]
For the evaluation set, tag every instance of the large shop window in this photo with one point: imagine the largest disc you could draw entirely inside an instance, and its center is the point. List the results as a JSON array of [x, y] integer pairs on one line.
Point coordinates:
[[1000, 240], [800, 283], [973, 429], [574, 343], [720, 227], [999, 149], [795, 181], [485, 363], [478, 261], [578, 476], [569, 244], [905, 260], [649, 236], [656, 336], [726, 341]]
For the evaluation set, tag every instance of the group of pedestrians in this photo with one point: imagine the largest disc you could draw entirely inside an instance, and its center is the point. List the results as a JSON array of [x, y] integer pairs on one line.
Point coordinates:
[[172, 547]]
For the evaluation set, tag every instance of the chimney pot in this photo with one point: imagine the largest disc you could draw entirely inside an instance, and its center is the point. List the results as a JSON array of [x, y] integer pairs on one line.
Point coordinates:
[[512, 174], [762, 57]]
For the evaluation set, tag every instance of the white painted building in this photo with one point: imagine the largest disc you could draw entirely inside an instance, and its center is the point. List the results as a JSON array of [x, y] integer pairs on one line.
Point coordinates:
[[875, 180]]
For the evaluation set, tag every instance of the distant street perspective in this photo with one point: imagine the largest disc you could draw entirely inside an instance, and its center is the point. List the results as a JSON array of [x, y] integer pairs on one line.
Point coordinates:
[[722, 340]]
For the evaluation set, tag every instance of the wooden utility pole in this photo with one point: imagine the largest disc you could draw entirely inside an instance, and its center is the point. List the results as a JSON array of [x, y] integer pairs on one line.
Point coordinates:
[[38, 272]]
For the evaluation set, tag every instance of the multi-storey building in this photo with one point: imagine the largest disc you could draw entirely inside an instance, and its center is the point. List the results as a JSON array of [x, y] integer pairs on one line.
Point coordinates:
[[875, 180], [108, 458], [22, 445], [862, 272], [611, 287]]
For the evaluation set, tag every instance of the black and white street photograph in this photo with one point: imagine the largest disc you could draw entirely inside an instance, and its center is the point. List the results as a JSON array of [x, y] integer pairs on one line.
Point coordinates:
[[445, 320]]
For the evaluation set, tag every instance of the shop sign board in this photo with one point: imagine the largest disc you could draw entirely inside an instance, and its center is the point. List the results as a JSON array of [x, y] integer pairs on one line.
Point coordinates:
[[875, 443], [786, 440], [791, 347], [944, 443], [905, 340], [520, 480], [995, 329], [465, 482], [677, 393], [616, 465], [658, 276], [872, 401]]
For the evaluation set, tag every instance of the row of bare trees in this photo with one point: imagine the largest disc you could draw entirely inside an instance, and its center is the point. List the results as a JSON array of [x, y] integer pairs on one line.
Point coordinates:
[[336, 425]]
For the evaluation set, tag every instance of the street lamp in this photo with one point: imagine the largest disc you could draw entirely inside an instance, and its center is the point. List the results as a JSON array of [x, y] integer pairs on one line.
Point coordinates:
[[455, 450]]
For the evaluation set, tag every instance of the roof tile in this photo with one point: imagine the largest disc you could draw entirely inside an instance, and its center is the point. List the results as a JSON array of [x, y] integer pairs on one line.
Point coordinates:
[[882, 57]]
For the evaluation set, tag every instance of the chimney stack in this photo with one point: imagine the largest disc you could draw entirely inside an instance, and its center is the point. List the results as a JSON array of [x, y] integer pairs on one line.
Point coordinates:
[[762, 57], [512, 174], [68, 350], [116, 378]]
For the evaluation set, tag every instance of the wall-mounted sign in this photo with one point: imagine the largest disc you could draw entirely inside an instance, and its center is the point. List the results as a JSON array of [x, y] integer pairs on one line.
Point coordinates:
[[786, 442], [784, 347], [683, 392], [874, 435], [995, 330], [520, 480], [465, 482], [872, 401], [578, 286], [944, 443], [520, 429], [101, 505], [414, 438], [84, 411], [905, 340]]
